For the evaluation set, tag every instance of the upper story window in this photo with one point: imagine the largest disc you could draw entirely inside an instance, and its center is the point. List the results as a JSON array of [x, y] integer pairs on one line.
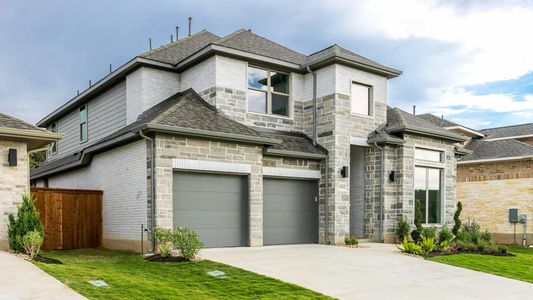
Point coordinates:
[[361, 99], [53, 149], [268, 91], [428, 155], [83, 123]]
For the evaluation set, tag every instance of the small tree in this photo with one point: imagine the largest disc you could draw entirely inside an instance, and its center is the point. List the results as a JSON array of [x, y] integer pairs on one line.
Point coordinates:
[[31, 242], [187, 242], [416, 234], [27, 220], [402, 230], [457, 225]]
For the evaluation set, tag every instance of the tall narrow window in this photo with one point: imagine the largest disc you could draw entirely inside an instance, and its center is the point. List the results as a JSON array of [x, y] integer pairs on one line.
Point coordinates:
[[428, 192], [268, 91], [361, 99], [53, 148], [83, 123]]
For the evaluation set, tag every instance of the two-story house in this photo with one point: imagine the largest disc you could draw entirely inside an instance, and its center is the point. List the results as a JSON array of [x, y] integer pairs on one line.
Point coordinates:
[[250, 143]]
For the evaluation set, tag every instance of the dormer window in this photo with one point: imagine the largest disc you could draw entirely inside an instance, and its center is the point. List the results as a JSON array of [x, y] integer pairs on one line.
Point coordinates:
[[83, 123], [268, 91]]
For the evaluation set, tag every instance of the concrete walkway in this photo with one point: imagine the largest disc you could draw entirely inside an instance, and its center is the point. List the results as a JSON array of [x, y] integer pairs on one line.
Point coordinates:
[[375, 272], [20, 279]]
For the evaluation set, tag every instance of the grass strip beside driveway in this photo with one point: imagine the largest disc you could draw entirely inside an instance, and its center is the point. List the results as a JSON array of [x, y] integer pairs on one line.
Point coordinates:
[[131, 277], [517, 267]]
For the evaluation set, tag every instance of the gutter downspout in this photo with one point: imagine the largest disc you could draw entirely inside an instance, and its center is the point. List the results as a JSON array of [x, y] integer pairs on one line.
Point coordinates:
[[326, 160], [314, 104], [381, 183], [152, 188]]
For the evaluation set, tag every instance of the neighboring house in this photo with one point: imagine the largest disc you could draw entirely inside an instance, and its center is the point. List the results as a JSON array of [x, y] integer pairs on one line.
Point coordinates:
[[243, 140], [17, 139], [497, 176]]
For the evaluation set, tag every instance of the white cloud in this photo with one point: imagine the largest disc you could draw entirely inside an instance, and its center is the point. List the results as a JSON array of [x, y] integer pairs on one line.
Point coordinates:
[[495, 37], [498, 103]]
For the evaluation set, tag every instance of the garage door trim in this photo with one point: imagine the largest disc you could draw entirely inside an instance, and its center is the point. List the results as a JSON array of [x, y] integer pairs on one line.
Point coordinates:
[[211, 166]]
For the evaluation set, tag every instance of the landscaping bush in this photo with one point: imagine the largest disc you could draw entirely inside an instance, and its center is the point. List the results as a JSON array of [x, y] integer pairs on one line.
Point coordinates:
[[469, 233], [31, 242], [427, 244], [415, 234], [27, 220], [457, 225], [187, 242], [486, 236], [402, 230], [428, 232], [410, 247], [351, 241], [164, 239], [445, 235]]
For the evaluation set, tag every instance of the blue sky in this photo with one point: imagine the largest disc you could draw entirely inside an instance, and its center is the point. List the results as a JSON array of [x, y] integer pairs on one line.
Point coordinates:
[[470, 61]]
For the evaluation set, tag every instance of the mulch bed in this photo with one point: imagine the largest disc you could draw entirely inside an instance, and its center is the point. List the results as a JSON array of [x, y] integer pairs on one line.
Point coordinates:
[[433, 254], [158, 258], [48, 260]]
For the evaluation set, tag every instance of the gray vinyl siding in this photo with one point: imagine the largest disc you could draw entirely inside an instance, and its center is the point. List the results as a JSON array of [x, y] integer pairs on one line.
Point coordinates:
[[106, 114]]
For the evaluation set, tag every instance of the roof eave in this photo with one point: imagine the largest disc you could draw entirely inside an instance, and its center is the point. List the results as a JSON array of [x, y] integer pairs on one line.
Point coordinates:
[[345, 60], [499, 159], [294, 154], [465, 129], [208, 134], [427, 132]]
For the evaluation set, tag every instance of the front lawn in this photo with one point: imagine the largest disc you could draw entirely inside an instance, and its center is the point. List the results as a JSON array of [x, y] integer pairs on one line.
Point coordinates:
[[518, 267], [131, 277]]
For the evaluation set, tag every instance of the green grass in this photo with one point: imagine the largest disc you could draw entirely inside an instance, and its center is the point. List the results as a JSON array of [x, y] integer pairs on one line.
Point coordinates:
[[518, 267], [131, 277]]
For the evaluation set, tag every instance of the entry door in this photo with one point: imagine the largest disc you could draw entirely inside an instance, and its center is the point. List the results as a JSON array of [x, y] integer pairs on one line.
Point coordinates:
[[290, 211]]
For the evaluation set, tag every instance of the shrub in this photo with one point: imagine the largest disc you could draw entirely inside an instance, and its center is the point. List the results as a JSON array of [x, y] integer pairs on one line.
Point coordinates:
[[402, 230], [486, 236], [445, 235], [187, 242], [351, 241], [27, 220], [31, 242], [429, 232], [427, 244], [164, 239], [457, 224], [410, 247], [415, 234], [502, 249], [470, 226]]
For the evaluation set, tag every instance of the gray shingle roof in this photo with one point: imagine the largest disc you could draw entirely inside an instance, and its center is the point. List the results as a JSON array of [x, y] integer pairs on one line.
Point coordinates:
[[293, 141], [508, 131], [483, 149], [439, 121], [12, 122], [175, 52], [248, 41], [343, 52]]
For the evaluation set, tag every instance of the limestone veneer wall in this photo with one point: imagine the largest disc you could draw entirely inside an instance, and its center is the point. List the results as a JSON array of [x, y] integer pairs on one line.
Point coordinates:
[[14, 182]]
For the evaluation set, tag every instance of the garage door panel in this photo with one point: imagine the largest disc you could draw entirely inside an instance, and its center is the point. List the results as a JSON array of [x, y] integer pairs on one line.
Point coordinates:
[[207, 200], [213, 205], [289, 211]]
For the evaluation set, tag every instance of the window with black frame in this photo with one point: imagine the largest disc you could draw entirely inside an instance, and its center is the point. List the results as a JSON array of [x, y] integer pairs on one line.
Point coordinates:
[[268, 91]]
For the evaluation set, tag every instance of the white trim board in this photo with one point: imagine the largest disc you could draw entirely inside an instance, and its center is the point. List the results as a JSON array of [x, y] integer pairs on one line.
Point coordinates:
[[211, 166], [291, 173]]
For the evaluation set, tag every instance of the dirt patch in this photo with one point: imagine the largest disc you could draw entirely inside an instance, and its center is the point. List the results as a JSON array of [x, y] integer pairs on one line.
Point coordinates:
[[158, 258], [47, 260]]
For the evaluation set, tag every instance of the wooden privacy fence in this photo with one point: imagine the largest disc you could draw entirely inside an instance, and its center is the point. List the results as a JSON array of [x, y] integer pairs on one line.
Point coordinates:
[[71, 218]]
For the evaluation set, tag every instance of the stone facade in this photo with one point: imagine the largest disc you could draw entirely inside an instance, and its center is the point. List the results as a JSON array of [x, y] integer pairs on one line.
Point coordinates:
[[13, 184], [487, 192], [170, 147]]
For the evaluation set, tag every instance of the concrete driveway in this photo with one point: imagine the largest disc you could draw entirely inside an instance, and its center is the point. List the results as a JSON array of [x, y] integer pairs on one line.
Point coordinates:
[[20, 279], [375, 272]]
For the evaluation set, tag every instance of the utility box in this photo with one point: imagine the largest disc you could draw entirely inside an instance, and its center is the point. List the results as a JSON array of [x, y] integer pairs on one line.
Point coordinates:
[[513, 215]]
